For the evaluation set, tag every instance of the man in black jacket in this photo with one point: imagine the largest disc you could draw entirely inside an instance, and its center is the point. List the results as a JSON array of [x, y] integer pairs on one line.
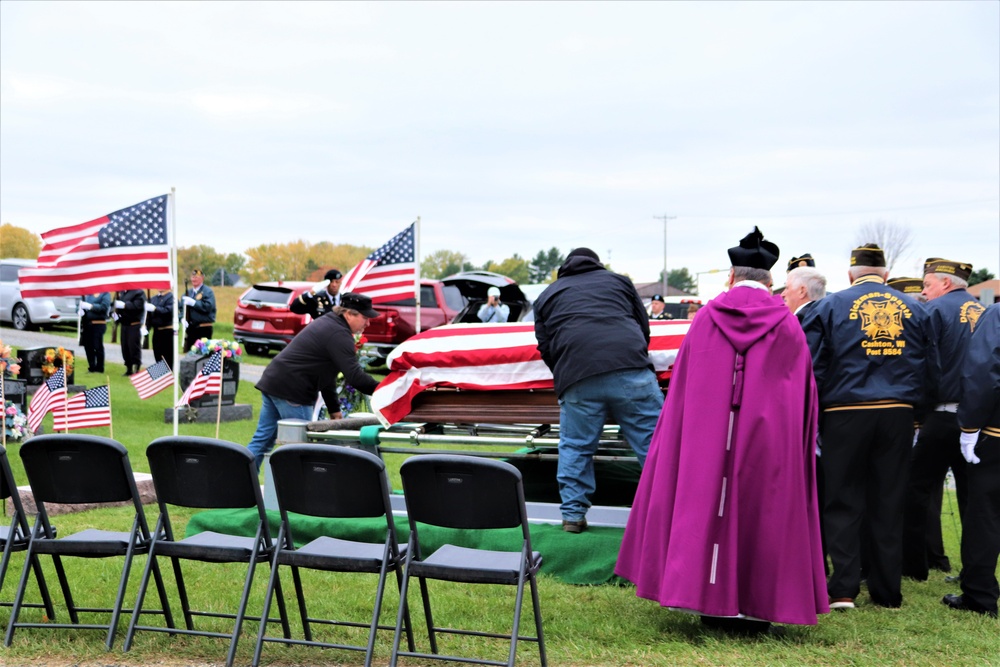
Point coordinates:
[[309, 365], [130, 307], [322, 298], [593, 332]]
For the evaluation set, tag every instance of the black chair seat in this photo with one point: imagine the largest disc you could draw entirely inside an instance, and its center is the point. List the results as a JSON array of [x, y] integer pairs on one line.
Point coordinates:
[[88, 543], [210, 547], [335, 555], [474, 566]]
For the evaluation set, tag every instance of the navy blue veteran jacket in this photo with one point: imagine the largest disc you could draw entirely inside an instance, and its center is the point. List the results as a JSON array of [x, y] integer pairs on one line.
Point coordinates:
[[590, 321], [203, 310], [951, 318], [979, 407], [869, 347]]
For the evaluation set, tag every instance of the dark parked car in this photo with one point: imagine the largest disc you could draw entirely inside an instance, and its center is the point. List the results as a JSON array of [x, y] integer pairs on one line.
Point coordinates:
[[263, 321]]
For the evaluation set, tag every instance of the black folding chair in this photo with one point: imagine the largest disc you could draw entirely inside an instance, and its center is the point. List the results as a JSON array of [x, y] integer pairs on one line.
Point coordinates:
[[15, 537], [467, 493], [75, 469], [205, 473], [332, 482]]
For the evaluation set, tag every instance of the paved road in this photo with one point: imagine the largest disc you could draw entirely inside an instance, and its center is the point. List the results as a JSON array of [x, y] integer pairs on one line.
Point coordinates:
[[112, 351]]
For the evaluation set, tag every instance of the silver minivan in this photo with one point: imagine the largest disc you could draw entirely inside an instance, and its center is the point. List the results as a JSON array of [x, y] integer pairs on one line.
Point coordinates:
[[34, 312]]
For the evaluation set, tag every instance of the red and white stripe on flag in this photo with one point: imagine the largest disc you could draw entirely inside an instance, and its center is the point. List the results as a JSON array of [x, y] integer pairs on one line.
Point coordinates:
[[50, 396], [127, 249], [88, 409], [207, 381], [486, 358]]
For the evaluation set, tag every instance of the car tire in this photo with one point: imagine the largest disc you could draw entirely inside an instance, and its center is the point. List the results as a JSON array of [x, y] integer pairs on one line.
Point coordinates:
[[20, 318]]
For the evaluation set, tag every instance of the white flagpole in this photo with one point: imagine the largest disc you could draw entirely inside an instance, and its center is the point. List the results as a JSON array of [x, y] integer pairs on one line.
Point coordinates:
[[111, 418], [173, 316], [416, 259]]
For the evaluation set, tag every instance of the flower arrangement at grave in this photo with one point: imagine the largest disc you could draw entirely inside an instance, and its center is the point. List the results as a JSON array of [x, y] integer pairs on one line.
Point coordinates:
[[56, 358], [204, 347]]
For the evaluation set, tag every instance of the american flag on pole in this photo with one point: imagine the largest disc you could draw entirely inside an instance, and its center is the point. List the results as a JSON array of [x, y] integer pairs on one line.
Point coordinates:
[[91, 408], [49, 397], [153, 380], [208, 381], [485, 358], [126, 249], [389, 273]]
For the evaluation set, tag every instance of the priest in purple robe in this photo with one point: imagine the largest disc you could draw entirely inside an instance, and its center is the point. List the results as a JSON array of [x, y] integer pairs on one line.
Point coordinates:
[[725, 521]]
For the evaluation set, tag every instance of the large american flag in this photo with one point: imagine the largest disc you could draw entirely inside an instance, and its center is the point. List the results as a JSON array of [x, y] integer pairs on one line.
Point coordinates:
[[51, 395], [127, 249], [389, 273], [488, 357], [153, 380], [91, 408], [208, 381]]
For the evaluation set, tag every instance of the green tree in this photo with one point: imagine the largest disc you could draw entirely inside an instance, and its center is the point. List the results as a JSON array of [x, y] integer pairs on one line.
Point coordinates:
[[443, 263], [980, 276], [235, 262], [516, 268], [680, 279], [542, 267], [201, 257], [19, 242]]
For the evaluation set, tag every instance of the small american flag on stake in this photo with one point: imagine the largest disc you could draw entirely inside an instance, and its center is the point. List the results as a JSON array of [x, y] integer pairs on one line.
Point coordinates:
[[50, 396], [91, 408], [208, 381], [153, 380]]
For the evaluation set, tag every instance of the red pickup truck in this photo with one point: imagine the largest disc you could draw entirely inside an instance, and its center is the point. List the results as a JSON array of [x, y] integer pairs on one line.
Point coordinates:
[[456, 298]]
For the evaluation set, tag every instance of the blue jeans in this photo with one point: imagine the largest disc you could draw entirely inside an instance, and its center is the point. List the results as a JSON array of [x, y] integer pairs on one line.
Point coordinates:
[[632, 398], [271, 410]]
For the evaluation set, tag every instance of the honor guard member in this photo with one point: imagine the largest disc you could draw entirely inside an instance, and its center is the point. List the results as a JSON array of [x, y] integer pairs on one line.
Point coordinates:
[[322, 298], [979, 419], [199, 310], [656, 306], [805, 260], [952, 314], [868, 348], [94, 312], [160, 321], [130, 306]]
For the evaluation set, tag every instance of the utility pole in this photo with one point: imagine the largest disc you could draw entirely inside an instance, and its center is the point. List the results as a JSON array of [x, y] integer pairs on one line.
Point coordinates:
[[664, 218]]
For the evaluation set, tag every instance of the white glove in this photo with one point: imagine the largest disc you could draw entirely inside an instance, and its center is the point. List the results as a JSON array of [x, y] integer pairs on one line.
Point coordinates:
[[143, 331], [320, 286], [86, 305], [150, 308], [115, 316], [968, 442], [188, 301], [119, 304], [916, 434], [80, 311]]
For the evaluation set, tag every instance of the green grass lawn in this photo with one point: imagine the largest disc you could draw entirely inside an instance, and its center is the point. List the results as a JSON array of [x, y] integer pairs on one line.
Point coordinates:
[[585, 625]]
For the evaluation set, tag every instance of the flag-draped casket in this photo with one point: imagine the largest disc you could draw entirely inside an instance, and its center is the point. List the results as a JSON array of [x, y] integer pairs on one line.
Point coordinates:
[[499, 358]]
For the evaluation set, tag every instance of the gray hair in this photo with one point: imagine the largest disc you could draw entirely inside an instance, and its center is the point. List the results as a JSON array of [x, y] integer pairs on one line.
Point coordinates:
[[814, 281], [858, 271], [956, 282], [762, 276], [343, 310]]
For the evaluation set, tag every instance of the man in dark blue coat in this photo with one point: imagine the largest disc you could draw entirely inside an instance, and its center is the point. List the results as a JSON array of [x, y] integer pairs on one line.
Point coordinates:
[[593, 332], [979, 418]]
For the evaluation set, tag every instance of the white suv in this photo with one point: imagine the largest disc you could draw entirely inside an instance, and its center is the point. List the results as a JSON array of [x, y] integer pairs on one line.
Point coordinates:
[[28, 313]]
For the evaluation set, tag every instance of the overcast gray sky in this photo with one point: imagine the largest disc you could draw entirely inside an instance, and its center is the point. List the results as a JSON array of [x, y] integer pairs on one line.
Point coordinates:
[[514, 127]]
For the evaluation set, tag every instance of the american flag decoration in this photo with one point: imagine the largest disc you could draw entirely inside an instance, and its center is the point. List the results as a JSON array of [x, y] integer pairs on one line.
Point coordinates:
[[88, 409], [208, 381], [153, 380], [127, 249], [487, 358], [50, 397], [389, 273]]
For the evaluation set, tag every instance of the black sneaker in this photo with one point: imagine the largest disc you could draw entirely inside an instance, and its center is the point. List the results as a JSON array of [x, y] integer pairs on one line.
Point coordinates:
[[574, 526]]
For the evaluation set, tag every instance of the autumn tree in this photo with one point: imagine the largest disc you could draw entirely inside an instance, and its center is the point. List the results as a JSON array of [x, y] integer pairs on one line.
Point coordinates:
[[277, 261], [441, 263], [517, 268], [203, 257], [894, 239], [19, 242]]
